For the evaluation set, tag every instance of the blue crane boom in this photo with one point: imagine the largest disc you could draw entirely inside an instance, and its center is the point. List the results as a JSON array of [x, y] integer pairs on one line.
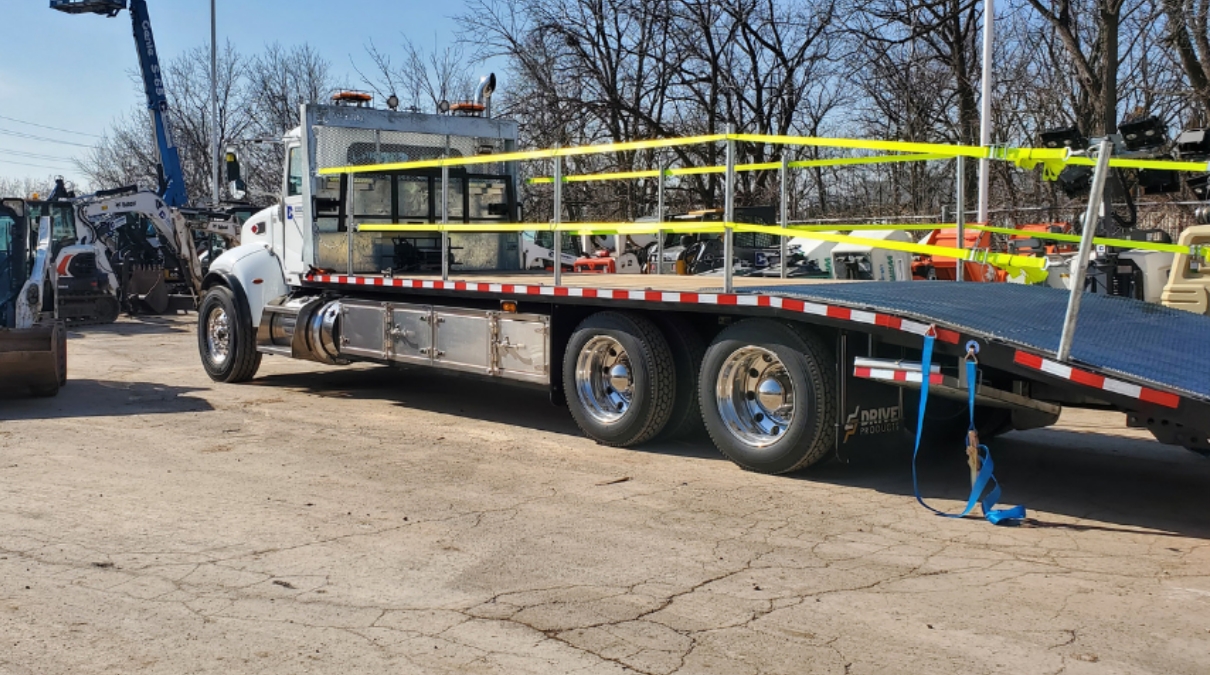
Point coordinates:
[[171, 175]]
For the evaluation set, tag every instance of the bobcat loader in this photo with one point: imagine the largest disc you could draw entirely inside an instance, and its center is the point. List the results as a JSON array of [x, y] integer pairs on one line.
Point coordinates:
[[33, 342]]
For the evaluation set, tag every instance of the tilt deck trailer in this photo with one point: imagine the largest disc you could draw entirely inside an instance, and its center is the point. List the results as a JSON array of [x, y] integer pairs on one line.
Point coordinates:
[[781, 373]]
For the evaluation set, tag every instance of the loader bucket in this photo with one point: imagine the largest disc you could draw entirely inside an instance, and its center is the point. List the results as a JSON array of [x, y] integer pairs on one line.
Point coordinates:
[[33, 360], [146, 291]]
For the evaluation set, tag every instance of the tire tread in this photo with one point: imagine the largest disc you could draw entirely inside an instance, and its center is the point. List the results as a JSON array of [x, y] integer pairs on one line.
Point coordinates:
[[245, 357], [656, 356], [823, 404], [688, 349]]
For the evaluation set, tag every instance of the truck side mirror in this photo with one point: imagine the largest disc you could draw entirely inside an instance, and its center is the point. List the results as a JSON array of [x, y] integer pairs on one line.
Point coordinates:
[[235, 182]]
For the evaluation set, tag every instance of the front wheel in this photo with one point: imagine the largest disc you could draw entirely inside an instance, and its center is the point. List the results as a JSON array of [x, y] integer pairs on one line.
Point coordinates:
[[226, 344], [768, 395]]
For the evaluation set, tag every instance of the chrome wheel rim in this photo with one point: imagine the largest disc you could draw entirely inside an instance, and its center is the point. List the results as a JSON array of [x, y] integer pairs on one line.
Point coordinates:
[[218, 335], [604, 379], [755, 396]]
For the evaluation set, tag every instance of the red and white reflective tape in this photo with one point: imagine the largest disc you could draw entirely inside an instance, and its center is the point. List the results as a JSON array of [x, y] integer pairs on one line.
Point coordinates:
[[1095, 381], [896, 375], [722, 299]]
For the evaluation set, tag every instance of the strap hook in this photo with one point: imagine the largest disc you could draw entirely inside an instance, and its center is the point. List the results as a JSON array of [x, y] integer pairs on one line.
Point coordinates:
[[972, 351]]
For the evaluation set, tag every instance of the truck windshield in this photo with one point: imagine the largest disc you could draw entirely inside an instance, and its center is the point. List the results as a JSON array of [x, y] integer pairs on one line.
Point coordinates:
[[10, 269], [63, 223]]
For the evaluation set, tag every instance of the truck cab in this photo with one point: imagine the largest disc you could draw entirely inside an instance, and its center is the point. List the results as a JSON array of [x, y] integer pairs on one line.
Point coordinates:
[[317, 222]]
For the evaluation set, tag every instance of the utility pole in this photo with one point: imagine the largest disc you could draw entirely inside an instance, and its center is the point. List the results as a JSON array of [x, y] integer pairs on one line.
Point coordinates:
[[214, 129], [985, 106]]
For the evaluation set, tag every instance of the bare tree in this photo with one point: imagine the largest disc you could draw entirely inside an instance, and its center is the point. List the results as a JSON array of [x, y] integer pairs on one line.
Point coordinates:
[[1089, 31], [282, 78], [1188, 24], [26, 187], [422, 79], [620, 70], [279, 80], [258, 99]]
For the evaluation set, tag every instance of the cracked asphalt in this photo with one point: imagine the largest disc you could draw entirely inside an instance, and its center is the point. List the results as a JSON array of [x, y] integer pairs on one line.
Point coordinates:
[[371, 520]]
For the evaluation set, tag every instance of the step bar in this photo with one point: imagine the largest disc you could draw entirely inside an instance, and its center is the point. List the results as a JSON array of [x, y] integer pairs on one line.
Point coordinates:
[[908, 374]]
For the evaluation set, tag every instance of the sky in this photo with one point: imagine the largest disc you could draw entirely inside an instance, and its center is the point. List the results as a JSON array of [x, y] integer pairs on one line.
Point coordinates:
[[70, 71]]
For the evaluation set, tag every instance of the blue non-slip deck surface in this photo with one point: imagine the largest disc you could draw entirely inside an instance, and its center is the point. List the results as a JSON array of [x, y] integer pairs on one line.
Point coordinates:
[[1141, 342]]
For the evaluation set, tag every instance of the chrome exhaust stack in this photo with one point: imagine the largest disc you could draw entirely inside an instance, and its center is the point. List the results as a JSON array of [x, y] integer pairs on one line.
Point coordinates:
[[483, 93]]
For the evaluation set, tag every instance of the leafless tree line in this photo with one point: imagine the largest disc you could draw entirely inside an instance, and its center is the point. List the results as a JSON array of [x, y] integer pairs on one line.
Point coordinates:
[[258, 101], [618, 70], [591, 71]]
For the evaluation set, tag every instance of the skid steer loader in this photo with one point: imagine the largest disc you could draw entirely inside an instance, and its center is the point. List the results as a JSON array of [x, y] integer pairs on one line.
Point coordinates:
[[33, 342]]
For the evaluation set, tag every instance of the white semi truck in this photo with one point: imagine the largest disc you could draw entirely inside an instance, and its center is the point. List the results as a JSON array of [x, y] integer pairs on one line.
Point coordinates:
[[782, 374]]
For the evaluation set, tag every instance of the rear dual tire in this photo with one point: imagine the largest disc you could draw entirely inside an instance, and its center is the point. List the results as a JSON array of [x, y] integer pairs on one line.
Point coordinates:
[[620, 379], [688, 350], [765, 391], [768, 396]]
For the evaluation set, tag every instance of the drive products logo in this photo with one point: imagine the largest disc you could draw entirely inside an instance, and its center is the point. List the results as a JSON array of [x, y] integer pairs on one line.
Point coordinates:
[[871, 421]]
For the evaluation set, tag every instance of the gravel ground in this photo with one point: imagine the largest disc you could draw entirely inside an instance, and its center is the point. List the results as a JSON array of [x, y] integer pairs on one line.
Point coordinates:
[[371, 520]]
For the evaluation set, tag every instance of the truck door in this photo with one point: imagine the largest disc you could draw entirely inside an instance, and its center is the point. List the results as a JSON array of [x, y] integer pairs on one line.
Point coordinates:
[[294, 217]]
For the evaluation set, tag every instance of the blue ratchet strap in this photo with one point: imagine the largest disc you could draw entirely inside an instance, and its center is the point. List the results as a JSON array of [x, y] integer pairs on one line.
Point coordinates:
[[994, 516]]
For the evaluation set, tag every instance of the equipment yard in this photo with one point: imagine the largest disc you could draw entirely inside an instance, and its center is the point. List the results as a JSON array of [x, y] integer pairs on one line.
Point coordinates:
[[364, 520]]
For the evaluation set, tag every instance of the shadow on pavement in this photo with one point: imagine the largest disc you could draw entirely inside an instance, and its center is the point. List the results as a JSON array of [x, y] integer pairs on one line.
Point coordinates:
[[438, 392], [449, 394], [138, 325], [1120, 483], [102, 398], [1116, 481]]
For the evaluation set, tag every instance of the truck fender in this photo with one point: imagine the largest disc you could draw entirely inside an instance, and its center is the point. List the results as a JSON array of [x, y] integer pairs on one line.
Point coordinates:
[[254, 275]]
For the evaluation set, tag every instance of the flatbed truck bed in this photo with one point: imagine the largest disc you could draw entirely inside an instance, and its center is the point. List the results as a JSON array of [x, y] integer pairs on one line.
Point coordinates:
[[1144, 359]]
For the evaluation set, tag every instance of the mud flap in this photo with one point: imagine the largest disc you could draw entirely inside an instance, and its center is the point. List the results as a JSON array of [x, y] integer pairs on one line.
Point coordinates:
[[871, 414], [872, 420], [31, 359]]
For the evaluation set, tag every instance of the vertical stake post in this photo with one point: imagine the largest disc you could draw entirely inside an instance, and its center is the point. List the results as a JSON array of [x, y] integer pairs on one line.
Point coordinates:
[[784, 214], [351, 227], [445, 220], [659, 213], [960, 213], [1081, 263], [985, 106], [214, 129], [557, 253], [729, 215]]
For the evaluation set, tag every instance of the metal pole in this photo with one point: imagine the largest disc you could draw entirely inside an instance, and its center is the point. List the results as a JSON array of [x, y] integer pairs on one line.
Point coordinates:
[[960, 210], [445, 220], [729, 214], [214, 139], [557, 254], [1081, 262], [784, 214], [985, 105], [659, 213], [352, 227]]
